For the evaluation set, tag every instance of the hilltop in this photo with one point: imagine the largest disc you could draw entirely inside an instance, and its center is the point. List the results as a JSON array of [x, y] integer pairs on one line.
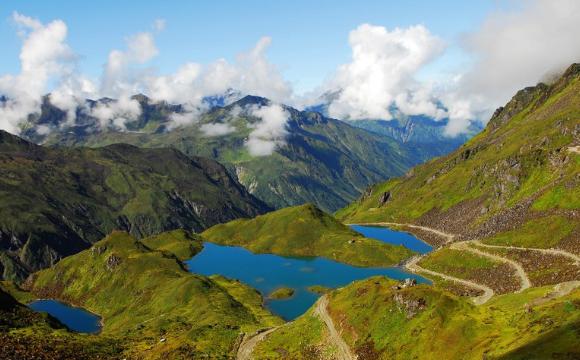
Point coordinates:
[[55, 202], [306, 231], [143, 292]]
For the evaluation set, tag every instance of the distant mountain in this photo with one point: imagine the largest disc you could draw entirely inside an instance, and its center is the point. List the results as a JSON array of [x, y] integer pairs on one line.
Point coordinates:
[[421, 134], [55, 202], [323, 161]]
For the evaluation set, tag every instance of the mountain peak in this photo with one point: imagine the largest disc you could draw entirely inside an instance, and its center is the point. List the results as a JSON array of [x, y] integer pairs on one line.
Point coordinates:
[[252, 100]]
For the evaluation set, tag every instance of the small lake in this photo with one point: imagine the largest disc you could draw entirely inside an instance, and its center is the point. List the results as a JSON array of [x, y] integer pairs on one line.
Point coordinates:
[[393, 237], [267, 272], [76, 319]]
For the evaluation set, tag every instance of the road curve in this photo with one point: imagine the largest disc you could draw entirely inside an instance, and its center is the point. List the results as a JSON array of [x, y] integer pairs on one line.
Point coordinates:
[[567, 254], [477, 300], [249, 343], [524, 280], [344, 352]]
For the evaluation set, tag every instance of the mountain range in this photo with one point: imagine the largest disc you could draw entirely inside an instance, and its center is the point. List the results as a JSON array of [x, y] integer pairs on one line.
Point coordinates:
[[321, 160], [55, 202]]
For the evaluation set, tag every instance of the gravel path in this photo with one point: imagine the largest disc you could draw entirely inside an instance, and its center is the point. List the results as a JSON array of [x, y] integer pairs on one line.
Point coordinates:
[[344, 352]]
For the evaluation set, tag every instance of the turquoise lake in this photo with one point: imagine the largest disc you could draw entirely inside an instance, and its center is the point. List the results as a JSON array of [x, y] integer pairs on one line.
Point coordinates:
[[76, 319], [267, 272]]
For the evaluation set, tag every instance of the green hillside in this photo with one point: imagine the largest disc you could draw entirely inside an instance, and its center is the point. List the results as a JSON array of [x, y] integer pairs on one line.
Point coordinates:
[[516, 180], [306, 231], [56, 202], [377, 321], [144, 293], [324, 161], [25, 334]]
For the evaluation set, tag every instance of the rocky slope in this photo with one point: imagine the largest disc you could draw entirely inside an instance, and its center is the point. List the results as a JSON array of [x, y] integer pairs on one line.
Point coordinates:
[[55, 202]]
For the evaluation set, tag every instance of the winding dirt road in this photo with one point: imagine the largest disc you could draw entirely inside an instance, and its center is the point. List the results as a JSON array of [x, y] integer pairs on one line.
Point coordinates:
[[565, 253], [524, 280], [320, 309], [249, 343], [477, 300], [344, 352]]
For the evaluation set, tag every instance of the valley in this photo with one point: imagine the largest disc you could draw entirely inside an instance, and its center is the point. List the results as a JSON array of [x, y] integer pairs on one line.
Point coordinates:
[[369, 205]]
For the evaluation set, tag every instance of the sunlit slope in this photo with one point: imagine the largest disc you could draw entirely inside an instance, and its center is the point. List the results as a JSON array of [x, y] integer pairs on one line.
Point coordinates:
[[306, 231], [516, 182]]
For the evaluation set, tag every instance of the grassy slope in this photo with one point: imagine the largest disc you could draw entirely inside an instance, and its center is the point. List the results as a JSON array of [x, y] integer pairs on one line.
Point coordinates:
[[425, 322], [517, 170], [144, 294], [56, 202], [25, 334], [306, 231]]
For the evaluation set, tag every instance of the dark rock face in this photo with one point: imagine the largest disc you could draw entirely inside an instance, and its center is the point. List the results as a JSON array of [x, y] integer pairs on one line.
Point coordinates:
[[384, 198], [56, 202]]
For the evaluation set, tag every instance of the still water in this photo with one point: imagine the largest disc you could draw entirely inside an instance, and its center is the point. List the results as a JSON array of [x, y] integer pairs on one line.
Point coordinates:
[[76, 319], [266, 272]]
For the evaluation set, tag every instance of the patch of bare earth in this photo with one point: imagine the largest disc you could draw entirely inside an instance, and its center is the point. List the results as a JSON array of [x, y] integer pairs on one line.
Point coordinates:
[[426, 236], [456, 220], [458, 289], [541, 268]]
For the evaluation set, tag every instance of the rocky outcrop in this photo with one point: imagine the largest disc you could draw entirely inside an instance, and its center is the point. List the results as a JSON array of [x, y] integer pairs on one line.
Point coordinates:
[[409, 304], [386, 196]]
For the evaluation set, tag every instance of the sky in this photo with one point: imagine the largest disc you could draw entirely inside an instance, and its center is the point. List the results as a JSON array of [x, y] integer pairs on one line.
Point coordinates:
[[444, 59], [309, 38]]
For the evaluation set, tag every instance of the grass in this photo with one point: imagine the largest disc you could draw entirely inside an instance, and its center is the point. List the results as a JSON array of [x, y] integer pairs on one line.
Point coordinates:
[[146, 294], [281, 293], [300, 339], [456, 263], [426, 322], [544, 233], [306, 231]]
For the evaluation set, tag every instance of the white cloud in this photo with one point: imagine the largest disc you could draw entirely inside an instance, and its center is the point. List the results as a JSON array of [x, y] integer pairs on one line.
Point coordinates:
[[270, 132], [117, 112], [44, 57], [512, 50], [217, 129], [192, 82], [119, 76], [382, 72]]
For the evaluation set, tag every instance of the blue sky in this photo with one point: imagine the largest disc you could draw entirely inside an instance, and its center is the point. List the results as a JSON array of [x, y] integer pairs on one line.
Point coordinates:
[[456, 60], [309, 38]]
